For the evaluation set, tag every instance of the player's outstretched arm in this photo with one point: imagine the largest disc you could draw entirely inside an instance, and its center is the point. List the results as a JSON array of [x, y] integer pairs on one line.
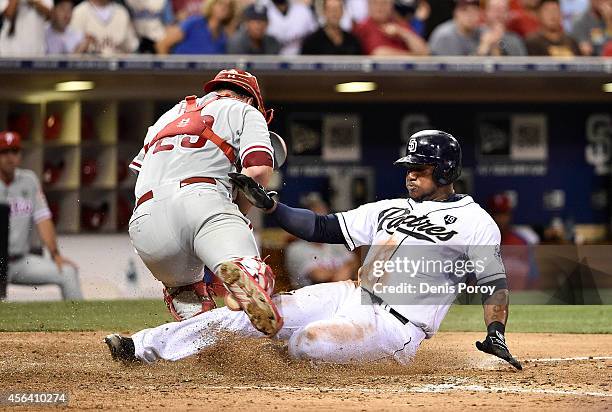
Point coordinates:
[[495, 317], [302, 223]]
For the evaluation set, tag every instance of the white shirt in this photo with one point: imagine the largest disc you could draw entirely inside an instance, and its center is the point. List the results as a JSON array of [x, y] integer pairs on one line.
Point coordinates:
[[29, 36], [291, 28], [64, 42], [110, 26], [434, 235]]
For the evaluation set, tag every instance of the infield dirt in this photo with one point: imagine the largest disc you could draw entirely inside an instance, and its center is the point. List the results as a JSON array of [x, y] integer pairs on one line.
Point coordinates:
[[448, 373]]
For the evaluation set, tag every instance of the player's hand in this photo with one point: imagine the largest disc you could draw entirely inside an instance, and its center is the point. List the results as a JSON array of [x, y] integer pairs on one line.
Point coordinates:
[[495, 344], [60, 261], [253, 191]]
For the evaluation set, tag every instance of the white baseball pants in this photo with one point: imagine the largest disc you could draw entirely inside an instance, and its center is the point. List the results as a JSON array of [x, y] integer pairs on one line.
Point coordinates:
[[324, 322], [184, 228]]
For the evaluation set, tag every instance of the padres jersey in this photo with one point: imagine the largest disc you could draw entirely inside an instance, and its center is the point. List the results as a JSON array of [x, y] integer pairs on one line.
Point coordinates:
[[427, 244], [180, 156], [28, 207]]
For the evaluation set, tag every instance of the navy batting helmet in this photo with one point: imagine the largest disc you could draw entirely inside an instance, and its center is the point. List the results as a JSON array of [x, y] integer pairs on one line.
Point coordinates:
[[437, 148]]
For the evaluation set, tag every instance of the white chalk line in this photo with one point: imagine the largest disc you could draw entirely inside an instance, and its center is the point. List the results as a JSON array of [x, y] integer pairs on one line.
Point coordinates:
[[430, 388], [577, 358]]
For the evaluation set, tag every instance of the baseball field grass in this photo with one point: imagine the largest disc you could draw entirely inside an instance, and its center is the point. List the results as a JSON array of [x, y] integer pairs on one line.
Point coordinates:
[[133, 315]]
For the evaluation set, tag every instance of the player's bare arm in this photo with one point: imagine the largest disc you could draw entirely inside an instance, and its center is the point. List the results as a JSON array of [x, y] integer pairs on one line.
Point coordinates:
[[11, 9], [46, 230]]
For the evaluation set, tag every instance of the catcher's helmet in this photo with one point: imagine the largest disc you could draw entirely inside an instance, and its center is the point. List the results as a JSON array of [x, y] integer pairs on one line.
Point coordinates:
[[245, 81], [437, 148]]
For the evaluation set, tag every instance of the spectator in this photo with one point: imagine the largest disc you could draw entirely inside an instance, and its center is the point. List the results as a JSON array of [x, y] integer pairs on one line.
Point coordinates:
[[571, 10], [590, 29], [150, 18], [384, 33], [416, 12], [458, 36], [309, 262], [108, 24], [606, 12], [23, 27], [289, 22], [495, 40], [252, 37], [551, 40], [524, 21], [62, 39], [20, 189], [331, 39], [462, 35], [203, 34]]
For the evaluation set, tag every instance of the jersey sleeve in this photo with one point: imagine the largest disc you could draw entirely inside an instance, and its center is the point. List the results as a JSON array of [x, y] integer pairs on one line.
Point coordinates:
[[41, 209], [485, 253], [255, 146], [359, 225]]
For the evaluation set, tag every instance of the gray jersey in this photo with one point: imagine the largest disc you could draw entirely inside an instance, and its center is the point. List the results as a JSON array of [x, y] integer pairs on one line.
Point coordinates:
[[28, 207], [181, 156]]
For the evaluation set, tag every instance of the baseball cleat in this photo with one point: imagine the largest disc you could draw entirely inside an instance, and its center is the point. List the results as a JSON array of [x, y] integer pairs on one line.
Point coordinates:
[[247, 293], [121, 348]]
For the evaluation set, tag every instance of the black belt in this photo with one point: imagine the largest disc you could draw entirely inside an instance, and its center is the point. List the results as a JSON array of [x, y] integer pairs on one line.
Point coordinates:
[[14, 258], [378, 301]]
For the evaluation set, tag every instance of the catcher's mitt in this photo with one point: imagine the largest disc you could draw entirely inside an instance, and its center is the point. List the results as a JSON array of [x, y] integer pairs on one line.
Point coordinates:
[[253, 191]]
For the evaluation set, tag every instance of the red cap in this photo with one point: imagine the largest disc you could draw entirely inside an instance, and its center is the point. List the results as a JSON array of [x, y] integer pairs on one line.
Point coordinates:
[[499, 203], [10, 140]]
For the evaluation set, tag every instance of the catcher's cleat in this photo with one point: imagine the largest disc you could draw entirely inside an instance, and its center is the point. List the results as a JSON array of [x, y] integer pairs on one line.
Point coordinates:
[[250, 282], [121, 348], [185, 302]]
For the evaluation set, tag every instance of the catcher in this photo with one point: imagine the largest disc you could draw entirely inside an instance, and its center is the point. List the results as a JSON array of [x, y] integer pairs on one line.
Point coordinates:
[[186, 217]]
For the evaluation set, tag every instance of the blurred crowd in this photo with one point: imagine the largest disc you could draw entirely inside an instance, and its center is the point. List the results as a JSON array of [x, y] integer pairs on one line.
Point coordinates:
[[314, 27]]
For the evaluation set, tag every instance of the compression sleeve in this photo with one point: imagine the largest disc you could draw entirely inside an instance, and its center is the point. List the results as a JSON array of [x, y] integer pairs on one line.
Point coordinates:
[[309, 226]]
